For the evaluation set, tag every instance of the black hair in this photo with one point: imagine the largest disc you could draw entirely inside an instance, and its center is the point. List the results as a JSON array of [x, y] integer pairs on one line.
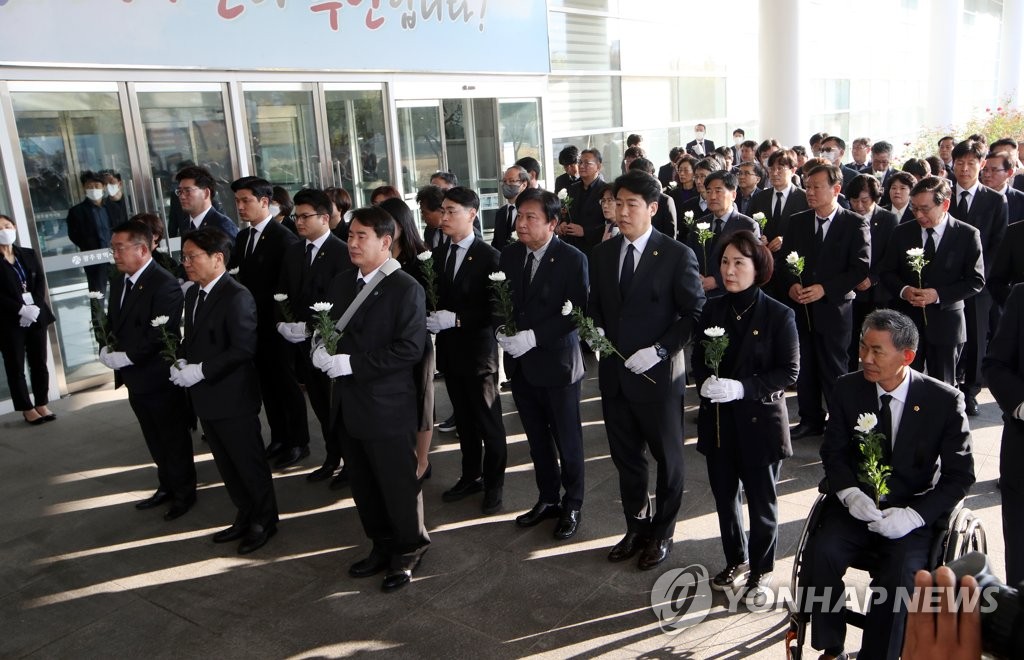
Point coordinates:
[[530, 164], [727, 178], [377, 219], [447, 177], [318, 199], [259, 188], [201, 176], [568, 155], [138, 231], [463, 197], [639, 183], [409, 242], [210, 240], [864, 183], [548, 201], [430, 197]]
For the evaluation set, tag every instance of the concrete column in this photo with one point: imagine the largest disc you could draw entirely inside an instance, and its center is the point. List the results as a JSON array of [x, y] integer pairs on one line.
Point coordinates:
[[945, 24], [1010, 55], [782, 116]]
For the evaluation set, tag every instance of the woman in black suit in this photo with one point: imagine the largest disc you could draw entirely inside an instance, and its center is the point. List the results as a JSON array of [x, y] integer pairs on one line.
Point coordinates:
[[405, 249], [24, 316], [743, 426]]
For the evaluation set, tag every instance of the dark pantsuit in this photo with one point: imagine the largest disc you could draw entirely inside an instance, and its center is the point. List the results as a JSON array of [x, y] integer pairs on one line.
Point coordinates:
[[837, 544], [939, 360], [167, 436], [18, 344], [387, 494], [481, 432], [238, 451], [282, 399], [823, 359], [976, 312], [726, 471], [551, 420], [632, 429]]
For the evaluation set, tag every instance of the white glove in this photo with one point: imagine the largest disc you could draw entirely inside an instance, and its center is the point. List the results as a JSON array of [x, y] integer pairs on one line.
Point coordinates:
[[519, 343], [294, 333], [708, 386], [24, 322], [897, 522], [723, 390], [334, 366], [1019, 412], [600, 331], [114, 359], [187, 375], [28, 314], [643, 360], [860, 505], [440, 320]]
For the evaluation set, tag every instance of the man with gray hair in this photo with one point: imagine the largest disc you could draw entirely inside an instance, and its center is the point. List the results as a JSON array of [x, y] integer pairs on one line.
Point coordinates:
[[921, 426], [515, 181]]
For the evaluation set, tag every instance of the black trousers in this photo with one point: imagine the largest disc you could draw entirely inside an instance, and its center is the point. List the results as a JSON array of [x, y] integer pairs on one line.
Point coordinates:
[[977, 311], [823, 359], [726, 471], [554, 431], [834, 546], [17, 344], [939, 360], [282, 398], [387, 494], [165, 430], [237, 448], [633, 429], [318, 389], [477, 404]]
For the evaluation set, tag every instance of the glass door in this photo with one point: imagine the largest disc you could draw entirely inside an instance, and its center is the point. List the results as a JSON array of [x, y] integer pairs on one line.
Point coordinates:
[[519, 131], [421, 143], [357, 136], [282, 130], [67, 130]]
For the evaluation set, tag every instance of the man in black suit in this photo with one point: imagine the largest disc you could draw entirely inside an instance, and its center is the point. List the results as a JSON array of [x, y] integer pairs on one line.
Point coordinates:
[[861, 152], [953, 274], [515, 181], [880, 165], [1003, 368], [945, 153], [833, 149], [900, 185], [258, 253], [375, 395], [216, 367], [89, 227], [585, 226], [748, 183], [667, 172], [697, 205], [997, 175], [723, 219], [569, 159], [532, 167], [196, 188], [306, 271], [738, 137], [148, 292], [546, 365], [698, 147], [429, 199], [779, 202], [927, 443], [836, 247], [646, 297], [1008, 269], [665, 219], [864, 192], [467, 352], [987, 211]]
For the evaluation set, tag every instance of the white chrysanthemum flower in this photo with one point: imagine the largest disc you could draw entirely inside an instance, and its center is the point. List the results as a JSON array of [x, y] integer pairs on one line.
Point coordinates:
[[915, 252], [159, 321], [96, 295], [233, 271], [714, 332], [280, 297], [792, 258], [866, 422], [426, 255], [497, 276], [562, 194], [567, 308], [321, 307], [759, 216], [703, 226], [689, 215]]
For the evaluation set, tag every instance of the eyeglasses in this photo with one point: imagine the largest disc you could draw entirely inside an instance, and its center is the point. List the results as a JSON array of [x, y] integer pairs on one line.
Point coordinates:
[[588, 163], [306, 216], [827, 150], [994, 170], [607, 200], [185, 191], [188, 258], [119, 249]]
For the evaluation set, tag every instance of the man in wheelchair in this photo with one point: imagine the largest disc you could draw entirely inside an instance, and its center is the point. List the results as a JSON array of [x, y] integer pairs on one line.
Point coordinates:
[[927, 443]]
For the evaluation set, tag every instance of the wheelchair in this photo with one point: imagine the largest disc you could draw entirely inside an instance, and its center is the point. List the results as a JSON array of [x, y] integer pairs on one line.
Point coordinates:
[[958, 534]]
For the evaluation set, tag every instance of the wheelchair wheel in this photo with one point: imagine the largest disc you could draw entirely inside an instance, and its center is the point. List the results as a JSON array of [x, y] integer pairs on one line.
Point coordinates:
[[965, 534]]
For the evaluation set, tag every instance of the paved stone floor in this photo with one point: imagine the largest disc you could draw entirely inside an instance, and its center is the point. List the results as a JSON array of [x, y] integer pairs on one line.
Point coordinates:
[[86, 575]]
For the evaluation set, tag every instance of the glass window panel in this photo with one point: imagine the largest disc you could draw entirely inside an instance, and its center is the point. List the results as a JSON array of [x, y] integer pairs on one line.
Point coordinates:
[[592, 5], [455, 119], [283, 138], [701, 99], [520, 131], [648, 101], [584, 103], [609, 144], [359, 151], [183, 127], [580, 42], [419, 130]]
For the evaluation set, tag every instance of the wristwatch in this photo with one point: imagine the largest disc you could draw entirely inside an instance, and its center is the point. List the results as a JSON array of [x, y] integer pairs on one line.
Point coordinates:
[[661, 350]]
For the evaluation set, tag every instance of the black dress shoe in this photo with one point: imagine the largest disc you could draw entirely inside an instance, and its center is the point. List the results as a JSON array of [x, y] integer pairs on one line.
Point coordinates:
[[178, 509], [398, 578], [291, 456], [802, 430], [154, 500], [567, 525], [462, 489], [539, 512], [35, 422], [340, 480], [447, 426], [369, 566], [275, 448], [256, 538], [230, 534], [657, 551], [52, 417], [325, 471], [630, 544], [492, 501], [972, 406], [426, 474]]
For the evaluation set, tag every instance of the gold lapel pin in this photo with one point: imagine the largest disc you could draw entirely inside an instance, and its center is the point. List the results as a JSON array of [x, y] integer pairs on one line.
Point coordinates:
[[755, 333], [655, 253], [552, 260], [469, 258], [917, 408]]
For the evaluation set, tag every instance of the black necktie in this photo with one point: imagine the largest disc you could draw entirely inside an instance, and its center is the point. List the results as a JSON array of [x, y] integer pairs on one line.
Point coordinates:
[[961, 208], [127, 290], [360, 283], [528, 271], [199, 304], [449, 266], [885, 427], [718, 226], [777, 213], [253, 237], [628, 266], [929, 245], [820, 234], [309, 254], [511, 220]]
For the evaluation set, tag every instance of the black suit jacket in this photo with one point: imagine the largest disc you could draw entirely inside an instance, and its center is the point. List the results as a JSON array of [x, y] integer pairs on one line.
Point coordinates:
[[849, 174], [560, 276], [664, 219], [503, 229], [767, 362], [11, 301], [470, 346], [709, 148], [956, 274], [385, 340], [1003, 368], [908, 215], [933, 435], [156, 293], [307, 285], [563, 181], [1015, 205], [586, 212], [1008, 268], [881, 223], [82, 229], [988, 214], [222, 337], [841, 263], [709, 256], [429, 233], [667, 173], [213, 218], [662, 306], [764, 201], [261, 270]]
